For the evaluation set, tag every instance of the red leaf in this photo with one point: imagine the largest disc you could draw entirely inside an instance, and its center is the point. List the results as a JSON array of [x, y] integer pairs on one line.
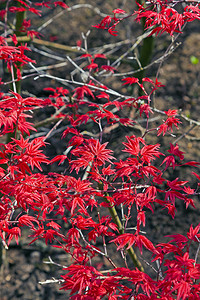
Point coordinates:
[[143, 241], [91, 153], [60, 3], [178, 238], [108, 68], [80, 92], [27, 220], [119, 11], [130, 80], [14, 232], [54, 225], [99, 55], [62, 158], [126, 239], [193, 233]]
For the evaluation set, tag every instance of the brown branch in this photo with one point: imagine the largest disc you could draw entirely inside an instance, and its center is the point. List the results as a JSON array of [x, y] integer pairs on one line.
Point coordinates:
[[46, 43]]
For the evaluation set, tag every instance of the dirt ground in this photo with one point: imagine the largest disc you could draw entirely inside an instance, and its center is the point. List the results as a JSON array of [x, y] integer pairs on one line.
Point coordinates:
[[24, 265]]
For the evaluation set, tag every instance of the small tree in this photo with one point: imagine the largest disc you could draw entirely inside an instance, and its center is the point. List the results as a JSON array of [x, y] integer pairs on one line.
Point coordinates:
[[98, 195]]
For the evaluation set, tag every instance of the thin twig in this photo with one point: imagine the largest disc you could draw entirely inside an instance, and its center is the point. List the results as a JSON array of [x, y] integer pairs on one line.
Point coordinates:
[[78, 6], [49, 67], [184, 134], [53, 263], [160, 59], [96, 250], [53, 280], [109, 91]]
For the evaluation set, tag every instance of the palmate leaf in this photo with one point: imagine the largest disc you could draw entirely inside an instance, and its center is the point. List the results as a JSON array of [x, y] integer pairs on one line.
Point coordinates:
[[127, 240], [80, 92], [130, 80], [91, 153], [30, 152]]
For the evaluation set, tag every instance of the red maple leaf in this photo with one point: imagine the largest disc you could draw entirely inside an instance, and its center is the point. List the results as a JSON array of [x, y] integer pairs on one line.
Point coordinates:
[[91, 153], [130, 80]]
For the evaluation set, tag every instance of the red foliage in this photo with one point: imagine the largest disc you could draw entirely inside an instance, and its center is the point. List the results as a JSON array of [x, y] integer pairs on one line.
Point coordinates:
[[137, 182]]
